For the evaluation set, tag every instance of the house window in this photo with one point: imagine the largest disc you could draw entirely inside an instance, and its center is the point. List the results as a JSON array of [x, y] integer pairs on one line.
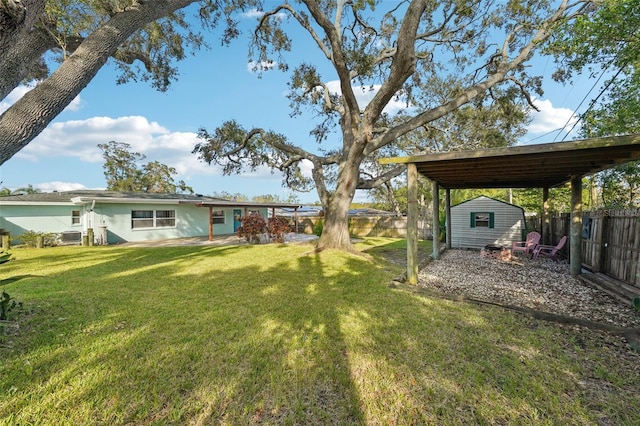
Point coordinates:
[[75, 217], [153, 219], [165, 218], [217, 217], [482, 220]]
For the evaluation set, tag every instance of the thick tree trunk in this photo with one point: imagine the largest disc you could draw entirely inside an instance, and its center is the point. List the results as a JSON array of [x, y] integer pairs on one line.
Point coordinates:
[[335, 233], [22, 122], [21, 42]]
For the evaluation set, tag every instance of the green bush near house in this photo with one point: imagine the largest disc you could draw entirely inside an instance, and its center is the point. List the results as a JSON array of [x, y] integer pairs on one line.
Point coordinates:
[[30, 239]]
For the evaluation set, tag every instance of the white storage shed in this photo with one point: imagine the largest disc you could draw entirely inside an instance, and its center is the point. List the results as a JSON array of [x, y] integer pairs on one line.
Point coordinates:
[[481, 221]]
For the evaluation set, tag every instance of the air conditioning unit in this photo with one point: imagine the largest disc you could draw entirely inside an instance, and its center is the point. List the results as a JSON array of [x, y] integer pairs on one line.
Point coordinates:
[[70, 237]]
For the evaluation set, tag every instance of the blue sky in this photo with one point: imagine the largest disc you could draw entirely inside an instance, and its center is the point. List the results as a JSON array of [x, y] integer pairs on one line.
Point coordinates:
[[214, 86]]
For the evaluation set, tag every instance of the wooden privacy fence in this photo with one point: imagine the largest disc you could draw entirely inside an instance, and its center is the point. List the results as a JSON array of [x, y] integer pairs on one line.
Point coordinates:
[[611, 244], [371, 226]]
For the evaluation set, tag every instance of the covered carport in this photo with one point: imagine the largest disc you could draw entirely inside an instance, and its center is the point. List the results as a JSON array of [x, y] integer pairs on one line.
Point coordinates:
[[543, 166]]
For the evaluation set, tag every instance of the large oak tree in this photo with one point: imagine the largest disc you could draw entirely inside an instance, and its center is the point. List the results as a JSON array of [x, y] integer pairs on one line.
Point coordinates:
[[410, 51], [144, 38]]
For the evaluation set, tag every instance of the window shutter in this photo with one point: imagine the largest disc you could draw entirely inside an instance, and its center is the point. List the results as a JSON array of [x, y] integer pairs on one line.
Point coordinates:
[[491, 220], [473, 220]]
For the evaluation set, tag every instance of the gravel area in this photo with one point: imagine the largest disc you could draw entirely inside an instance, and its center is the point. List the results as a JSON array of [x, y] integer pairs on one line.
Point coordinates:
[[542, 285]]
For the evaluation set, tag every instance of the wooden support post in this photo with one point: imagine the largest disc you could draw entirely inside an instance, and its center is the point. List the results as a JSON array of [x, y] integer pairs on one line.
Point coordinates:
[[546, 218], [436, 220], [447, 210], [575, 248], [602, 242], [295, 219], [210, 223], [412, 224]]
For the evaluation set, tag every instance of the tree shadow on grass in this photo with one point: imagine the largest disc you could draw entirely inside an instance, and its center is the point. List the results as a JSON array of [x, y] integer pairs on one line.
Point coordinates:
[[268, 335]]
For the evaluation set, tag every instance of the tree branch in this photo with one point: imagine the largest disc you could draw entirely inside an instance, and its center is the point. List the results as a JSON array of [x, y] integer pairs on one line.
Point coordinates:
[[25, 119], [380, 180], [500, 74]]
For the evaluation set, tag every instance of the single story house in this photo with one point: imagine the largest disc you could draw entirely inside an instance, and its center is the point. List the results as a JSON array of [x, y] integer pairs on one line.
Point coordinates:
[[117, 217], [483, 220]]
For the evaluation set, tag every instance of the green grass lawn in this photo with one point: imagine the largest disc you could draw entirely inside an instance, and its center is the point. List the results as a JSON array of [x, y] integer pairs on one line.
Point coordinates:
[[277, 334]]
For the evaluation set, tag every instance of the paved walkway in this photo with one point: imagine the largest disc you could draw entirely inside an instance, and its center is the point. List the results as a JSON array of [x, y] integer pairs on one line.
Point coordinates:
[[220, 240]]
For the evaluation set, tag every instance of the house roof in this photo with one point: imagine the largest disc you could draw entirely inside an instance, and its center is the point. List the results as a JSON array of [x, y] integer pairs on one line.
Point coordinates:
[[531, 166], [484, 197], [83, 196], [87, 196]]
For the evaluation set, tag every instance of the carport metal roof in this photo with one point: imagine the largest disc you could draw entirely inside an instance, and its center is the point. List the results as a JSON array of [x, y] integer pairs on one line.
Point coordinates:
[[532, 166]]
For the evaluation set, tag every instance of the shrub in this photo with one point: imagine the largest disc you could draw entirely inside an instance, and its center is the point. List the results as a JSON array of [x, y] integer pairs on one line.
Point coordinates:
[[253, 226], [6, 304], [278, 228], [30, 238], [318, 227]]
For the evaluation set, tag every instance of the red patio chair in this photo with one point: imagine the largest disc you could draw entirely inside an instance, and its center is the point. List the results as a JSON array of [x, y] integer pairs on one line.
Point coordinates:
[[526, 247], [550, 251]]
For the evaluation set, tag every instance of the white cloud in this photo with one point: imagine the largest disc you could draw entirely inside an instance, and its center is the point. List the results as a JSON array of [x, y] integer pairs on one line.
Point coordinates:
[[257, 14], [261, 66], [60, 186], [20, 91], [550, 118], [80, 139], [253, 13], [75, 105], [13, 96], [364, 95], [306, 167]]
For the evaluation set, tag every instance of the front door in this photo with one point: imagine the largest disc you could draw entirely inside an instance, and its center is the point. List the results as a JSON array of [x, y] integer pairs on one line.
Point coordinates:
[[237, 219]]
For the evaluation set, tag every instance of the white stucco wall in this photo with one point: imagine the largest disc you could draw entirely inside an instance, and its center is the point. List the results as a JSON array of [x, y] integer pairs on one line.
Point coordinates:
[[191, 221]]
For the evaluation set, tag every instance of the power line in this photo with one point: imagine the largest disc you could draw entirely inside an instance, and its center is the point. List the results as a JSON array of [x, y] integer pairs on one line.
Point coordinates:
[[580, 104], [593, 102]]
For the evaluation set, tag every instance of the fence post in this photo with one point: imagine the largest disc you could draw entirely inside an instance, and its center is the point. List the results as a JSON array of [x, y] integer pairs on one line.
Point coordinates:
[[447, 212], [601, 242], [575, 251]]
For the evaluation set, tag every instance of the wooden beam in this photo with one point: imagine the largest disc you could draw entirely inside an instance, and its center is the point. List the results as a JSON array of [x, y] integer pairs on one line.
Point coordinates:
[[593, 143], [210, 223], [447, 211], [436, 220], [412, 224], [575, 249]]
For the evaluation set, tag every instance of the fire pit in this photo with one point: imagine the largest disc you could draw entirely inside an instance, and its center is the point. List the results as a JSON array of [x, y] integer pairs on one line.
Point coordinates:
[[495, 251]]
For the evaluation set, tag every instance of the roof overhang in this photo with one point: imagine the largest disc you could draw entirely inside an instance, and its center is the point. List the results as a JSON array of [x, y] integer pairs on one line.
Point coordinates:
[[532, 166], [116, 200], [247, 204]]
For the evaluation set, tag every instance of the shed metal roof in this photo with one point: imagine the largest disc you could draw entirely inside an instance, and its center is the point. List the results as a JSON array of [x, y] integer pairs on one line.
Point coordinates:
[[531, 166]]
